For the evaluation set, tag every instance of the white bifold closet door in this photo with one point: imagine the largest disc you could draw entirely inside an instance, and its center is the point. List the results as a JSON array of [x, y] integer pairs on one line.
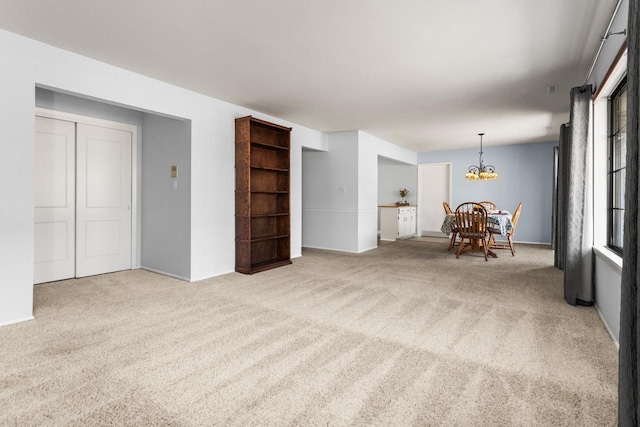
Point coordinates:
[[83, 200], [55, 203], [103, 200]]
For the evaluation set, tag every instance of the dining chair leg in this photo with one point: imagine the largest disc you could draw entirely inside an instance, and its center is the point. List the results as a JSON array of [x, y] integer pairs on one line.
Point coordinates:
[[492, 241], [484, 248], [513, 250], [452, 243], [460, 246]]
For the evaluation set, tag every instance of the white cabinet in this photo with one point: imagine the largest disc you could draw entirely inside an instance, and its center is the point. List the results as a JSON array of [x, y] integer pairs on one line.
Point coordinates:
[[397, 222]]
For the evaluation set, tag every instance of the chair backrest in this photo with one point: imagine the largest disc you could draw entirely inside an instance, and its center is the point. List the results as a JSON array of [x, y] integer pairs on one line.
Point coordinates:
[[471, 220], [514, 219], [490, 206], [447, 208]]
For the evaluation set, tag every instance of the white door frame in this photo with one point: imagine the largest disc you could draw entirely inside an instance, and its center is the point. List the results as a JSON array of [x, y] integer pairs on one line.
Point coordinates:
[[420, 185], [71, 117]]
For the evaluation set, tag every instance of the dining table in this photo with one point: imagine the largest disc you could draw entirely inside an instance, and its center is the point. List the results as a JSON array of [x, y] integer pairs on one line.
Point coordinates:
[[498, 219]]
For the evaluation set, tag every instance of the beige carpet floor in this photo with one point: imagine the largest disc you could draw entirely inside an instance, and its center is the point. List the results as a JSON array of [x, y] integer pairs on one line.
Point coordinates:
[[402, 335]]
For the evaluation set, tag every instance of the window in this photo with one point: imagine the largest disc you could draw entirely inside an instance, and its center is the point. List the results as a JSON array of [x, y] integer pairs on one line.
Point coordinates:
[[617, 165]]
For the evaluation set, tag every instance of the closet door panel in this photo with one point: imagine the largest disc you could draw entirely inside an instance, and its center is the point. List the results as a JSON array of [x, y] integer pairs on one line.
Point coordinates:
[[103, 200], [54, 200]]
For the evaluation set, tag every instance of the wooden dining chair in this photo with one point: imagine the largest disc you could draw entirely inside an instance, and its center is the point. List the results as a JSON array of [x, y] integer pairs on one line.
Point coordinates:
[[489, 206], [454, 231], [494, 244], [471, 222]]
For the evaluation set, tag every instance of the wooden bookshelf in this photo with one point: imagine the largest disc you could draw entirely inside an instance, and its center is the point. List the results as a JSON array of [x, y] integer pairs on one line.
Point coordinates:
[[262, 195]]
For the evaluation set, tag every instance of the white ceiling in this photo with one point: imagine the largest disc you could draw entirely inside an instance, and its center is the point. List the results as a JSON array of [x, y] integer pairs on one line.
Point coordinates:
[[423, 74]]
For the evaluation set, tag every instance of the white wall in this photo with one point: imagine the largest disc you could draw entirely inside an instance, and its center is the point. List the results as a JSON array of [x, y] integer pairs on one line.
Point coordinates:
[[166, 211], [26, 63], [17, 151], [369, 148]]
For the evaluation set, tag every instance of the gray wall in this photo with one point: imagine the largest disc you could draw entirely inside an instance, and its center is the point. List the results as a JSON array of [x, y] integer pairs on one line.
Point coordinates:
[[166, 211], [525, 175], [392, 177], [329, 214], [607, 292], [163, 222], [607, 274]]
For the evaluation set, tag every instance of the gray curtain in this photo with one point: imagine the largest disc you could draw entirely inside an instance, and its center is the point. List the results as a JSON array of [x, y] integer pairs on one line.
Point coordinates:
[[559, 200], [573, 244], [628, 389]]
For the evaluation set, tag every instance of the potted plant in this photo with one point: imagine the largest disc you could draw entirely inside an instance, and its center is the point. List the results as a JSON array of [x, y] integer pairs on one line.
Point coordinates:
[[403, 194]]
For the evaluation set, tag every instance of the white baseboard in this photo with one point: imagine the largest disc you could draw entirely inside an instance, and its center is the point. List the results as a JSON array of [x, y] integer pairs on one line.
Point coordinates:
[[164, 273], [434, 234], [518, 242], [330, 249], [342, 250], [606, 326], [11, 322]]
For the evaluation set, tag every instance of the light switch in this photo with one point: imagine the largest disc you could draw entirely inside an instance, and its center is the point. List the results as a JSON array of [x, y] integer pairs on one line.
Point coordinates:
[[174, 171], [175, 184]]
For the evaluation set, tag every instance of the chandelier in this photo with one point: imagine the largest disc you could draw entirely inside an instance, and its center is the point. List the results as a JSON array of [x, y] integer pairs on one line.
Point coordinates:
[[481, 172]]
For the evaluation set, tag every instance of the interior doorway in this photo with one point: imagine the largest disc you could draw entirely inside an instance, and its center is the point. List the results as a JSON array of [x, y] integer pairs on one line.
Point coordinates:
[[434, 187], [83, 202]]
